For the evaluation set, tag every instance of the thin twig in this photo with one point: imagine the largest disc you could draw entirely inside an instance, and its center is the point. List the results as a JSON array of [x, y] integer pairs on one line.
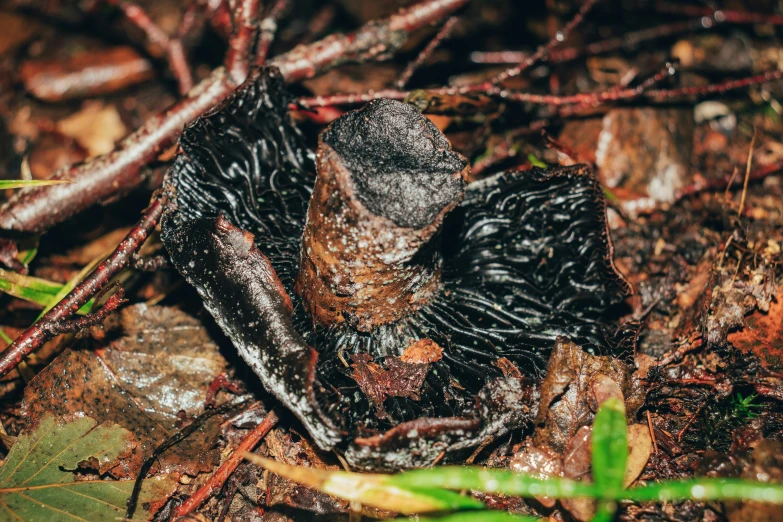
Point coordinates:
[[45, 329], [666, 71], [171, 441], [626, 41], [238, 55], [595, 98], [652, 432], [747, 176], [101, 178], [721, 15], [425, 53], [216, 481], [544, 50], [94, 318], [268, 28], [376, 40], [149, 264], [157, 38], [728, 181]]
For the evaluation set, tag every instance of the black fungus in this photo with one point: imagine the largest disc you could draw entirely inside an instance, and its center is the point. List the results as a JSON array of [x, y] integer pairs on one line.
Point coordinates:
[[526, 258]]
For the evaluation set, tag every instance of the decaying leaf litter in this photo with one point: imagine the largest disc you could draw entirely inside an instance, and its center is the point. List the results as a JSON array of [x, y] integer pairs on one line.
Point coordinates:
[[594, 222]]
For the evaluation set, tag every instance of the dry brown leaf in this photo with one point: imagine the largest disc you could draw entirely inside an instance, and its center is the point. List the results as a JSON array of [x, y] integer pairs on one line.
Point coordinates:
[[96, 127], [639, 451]]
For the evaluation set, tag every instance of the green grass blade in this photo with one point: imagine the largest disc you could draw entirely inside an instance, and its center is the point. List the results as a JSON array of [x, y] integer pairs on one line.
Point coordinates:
[[33, 289], [480, 516], [706, 489], [604, 511], [535, 161], [492, 481], [22, 183], [28, 249], [371, 489], [610, 447], [70, 285]]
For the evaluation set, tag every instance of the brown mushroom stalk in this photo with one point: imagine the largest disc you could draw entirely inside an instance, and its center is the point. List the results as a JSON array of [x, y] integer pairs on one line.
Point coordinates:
[[370, 251]]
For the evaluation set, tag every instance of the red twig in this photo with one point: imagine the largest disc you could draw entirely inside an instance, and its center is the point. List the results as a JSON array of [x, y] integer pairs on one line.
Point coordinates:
[[268, 28], [626, 41], [239, 45], [52, 322], [79, 323], [425, 53], [159, 41], [587, 98], [714, 88], [103, 177], [220, 476], [221, 382], [99, 179], [727, 181], [374, 41], [622, 91], [720, 15], [544, 50]]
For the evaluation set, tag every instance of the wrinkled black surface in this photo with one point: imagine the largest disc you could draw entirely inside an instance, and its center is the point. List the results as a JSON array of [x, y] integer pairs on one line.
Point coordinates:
[[526, 259], [402, 166]]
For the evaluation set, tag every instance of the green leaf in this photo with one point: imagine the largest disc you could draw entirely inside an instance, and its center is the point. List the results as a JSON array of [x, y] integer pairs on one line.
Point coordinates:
[[492, 481], [22, 183], [707, 489], [480, 516], [70, 285], [377, 491], [610, 447], [37, 482], [535, 161], [34, 289]]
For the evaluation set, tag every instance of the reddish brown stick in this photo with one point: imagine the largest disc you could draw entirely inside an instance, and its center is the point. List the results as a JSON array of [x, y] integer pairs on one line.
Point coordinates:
[[160, 43], [727, 181], [625, 41], [32, 338], [544, 50], [104, 177], [373, 41], [425, 53], [720, 15], [268, 28], [587, 98], [239, 45], [225, 470]]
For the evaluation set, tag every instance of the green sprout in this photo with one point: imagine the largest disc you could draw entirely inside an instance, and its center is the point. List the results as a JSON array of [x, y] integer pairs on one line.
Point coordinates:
[[436, 490], [23, 183]]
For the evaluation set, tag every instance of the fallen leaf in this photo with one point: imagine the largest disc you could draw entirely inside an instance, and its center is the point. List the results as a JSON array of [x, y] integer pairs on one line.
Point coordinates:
[[399, 379], [762, 335], [639, 451], [573, 377], [96, 127], [161, 365], [37, 481]]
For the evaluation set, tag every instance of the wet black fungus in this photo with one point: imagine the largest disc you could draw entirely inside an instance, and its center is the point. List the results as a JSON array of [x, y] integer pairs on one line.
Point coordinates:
[[526, 258]]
